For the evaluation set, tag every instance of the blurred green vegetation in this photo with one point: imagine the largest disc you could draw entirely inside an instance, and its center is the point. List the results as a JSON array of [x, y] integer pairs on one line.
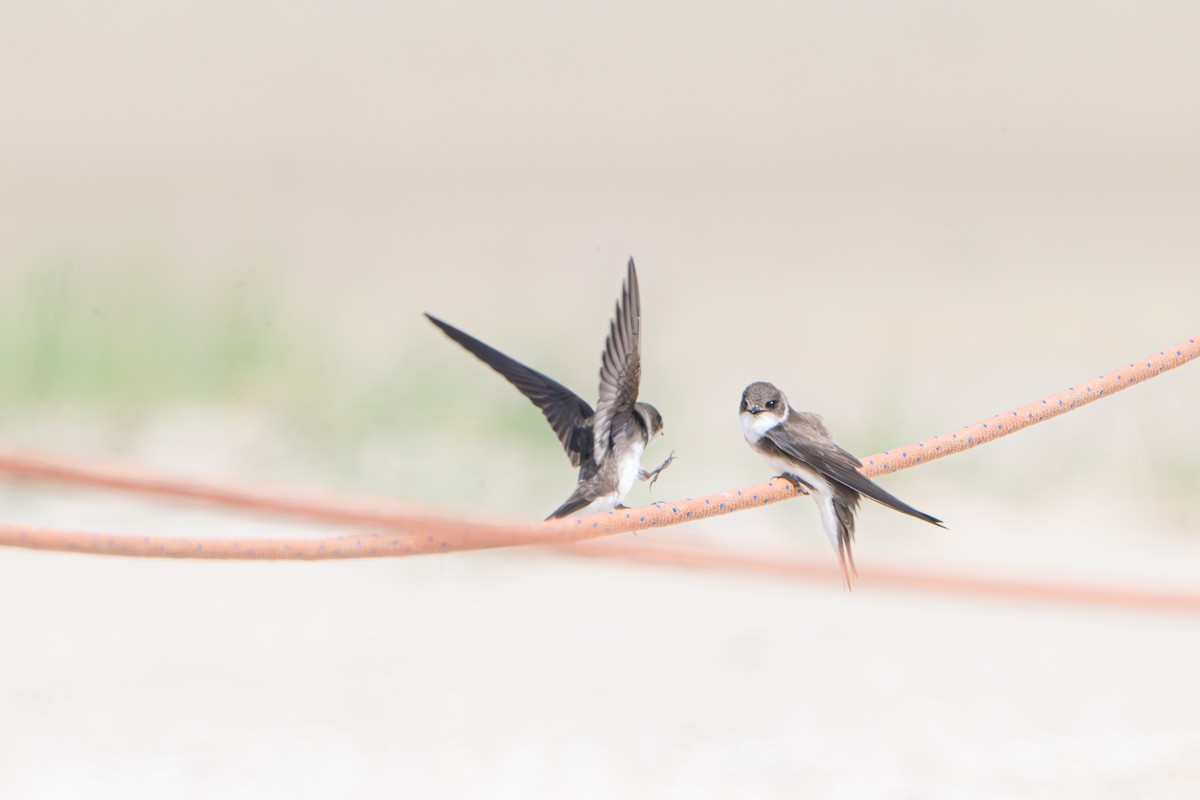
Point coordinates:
[[130, 336]]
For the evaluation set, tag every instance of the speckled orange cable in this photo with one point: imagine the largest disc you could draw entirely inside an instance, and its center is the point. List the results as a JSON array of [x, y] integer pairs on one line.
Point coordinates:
[[42, 466], [413, 534]]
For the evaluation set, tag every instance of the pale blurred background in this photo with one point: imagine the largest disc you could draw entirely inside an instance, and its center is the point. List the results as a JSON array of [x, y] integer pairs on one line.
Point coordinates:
[[219, 226]]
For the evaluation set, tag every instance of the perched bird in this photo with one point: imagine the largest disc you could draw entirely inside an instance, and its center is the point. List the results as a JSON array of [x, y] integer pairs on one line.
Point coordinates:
[[798, 444], [606, 444]]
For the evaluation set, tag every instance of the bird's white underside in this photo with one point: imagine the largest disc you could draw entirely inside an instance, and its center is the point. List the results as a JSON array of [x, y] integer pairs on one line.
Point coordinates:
[[754, 428], [627, 474]]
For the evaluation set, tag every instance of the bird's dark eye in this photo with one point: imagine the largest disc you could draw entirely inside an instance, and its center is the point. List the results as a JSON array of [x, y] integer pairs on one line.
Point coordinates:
[[772, 403]]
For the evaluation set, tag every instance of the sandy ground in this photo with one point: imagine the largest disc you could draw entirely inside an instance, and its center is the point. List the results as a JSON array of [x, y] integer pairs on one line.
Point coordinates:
[[516, 675], [909, 218]]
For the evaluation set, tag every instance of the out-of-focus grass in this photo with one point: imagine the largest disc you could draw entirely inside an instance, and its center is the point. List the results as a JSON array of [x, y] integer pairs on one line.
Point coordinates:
[[129, 338]]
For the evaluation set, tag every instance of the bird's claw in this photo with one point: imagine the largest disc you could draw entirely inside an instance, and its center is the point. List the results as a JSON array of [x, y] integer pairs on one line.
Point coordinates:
[[653, 475], [800, 486]]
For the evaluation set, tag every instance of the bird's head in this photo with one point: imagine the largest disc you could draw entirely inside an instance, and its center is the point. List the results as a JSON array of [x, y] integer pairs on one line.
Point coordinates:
[[651, 419], [763, 407]]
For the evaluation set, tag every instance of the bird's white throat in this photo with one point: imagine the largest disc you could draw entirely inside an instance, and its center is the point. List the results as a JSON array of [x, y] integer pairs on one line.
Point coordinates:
[[755, 426]]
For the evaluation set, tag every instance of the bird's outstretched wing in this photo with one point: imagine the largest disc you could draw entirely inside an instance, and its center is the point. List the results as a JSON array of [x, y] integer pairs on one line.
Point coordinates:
[[838, 465], [566, 411], [620, 366]]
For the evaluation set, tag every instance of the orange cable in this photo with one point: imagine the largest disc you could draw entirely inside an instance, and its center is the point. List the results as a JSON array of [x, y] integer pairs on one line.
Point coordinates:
[[42, 466], [414, 533]]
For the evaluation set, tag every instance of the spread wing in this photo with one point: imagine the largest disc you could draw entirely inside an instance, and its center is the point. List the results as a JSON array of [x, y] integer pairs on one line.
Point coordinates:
[[823, 455], [620, 366], [566, 411]]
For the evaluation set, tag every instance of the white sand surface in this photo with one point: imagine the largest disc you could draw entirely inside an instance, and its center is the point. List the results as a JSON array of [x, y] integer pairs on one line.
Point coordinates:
[[517, 674]]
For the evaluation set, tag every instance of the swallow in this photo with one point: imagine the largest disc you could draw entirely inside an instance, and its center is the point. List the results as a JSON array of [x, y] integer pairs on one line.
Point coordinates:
[[798, 444], [605, 444]]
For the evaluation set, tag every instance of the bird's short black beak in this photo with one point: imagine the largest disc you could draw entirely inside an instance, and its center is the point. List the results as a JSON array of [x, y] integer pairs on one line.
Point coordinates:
[[755, 410]]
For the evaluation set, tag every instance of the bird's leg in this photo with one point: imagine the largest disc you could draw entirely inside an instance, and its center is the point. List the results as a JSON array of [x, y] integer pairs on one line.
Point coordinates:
[[800, 486], [652, 475]]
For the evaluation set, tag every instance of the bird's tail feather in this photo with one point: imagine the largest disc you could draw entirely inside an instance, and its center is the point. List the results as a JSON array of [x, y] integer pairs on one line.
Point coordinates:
[[845, 540], [569, 506]]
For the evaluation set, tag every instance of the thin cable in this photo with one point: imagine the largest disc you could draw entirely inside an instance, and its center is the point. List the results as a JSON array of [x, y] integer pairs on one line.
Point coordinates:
[[416, 533]]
